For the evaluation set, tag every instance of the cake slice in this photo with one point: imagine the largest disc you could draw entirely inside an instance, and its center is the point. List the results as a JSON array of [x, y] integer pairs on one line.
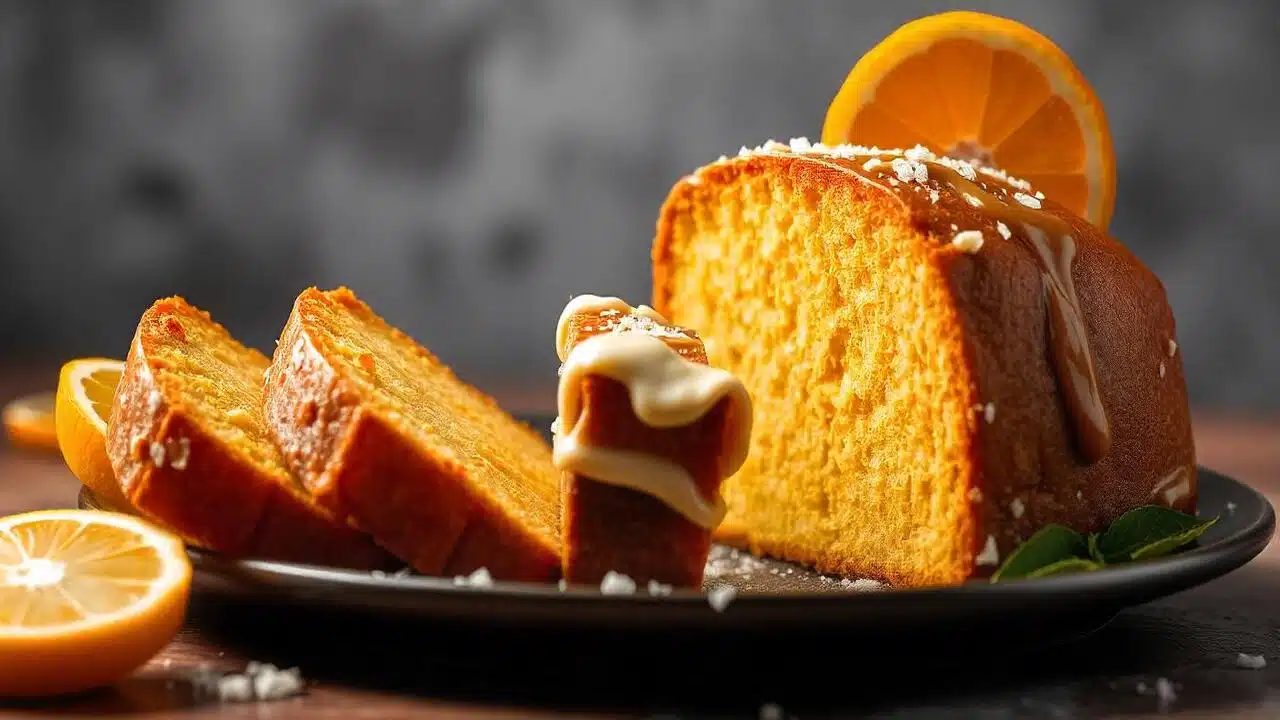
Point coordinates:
[[646, 434], [385, 435], [942, 361], [187, 442]]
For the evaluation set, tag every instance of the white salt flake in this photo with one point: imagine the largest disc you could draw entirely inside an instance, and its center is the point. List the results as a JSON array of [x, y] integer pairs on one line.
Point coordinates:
[[975, 495], [659, 589], [1079, 494], [720, 597], [1231, 508], [1250, 662], [990, 554], [154, 398], [615, 583], [480, 578], [1165, 693], [1017, 507], [989, 413], [1173, 347], [862, 584], [976, 202], [903, 169], [157, 454], [179, 455], [724, 561], [272, 684], [1027, 200], [1005, 177], [933, 196], [1039, 195], [1003, 230], [919, 153], [800, 144], [871, 164], [235, 688], [562, 585], [969, 241], [1161, 368]]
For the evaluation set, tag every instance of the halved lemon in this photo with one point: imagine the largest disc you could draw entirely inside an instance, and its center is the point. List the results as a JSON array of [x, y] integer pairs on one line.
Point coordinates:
[[28, 421], [86, 598], [86, 389], [989, 89]]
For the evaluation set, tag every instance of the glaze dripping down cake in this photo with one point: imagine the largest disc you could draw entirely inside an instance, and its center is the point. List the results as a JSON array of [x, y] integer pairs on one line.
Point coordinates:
[[941, 359]]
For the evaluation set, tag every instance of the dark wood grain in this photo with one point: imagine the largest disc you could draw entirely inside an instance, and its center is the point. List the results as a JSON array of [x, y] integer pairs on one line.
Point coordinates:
[[366, 672]]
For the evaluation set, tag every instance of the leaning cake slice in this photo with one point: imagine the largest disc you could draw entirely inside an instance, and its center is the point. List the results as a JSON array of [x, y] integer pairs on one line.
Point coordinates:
[[385, 435]]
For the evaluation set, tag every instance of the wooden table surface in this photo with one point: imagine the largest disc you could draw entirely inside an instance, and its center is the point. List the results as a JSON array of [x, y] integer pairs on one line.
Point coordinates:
[[1191, 639]]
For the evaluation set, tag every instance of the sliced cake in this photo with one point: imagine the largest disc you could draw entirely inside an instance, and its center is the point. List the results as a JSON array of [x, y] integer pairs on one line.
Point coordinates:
[[647, 432], [386, 436], [189, 447], [942, 361]]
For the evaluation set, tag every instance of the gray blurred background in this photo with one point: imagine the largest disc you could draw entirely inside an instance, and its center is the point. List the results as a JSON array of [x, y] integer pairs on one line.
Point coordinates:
[[466, 165]]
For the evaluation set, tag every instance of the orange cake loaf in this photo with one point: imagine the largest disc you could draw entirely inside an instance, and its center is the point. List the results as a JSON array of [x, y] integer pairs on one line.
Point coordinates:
[[941, 360], [188, 444], [384, 434], [646, 434]]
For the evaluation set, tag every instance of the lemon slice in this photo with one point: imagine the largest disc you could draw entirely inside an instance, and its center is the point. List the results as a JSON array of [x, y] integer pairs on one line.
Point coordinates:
[[86, 389], [86, 598]]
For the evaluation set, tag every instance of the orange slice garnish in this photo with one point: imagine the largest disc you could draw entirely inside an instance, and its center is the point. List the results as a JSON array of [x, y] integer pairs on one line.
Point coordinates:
[[86, 389], [28, 421], [987, 89], [86, 598]]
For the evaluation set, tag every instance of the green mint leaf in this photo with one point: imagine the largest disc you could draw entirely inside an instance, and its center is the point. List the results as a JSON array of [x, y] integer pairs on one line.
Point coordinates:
[[1068, 565], [1160, 548], [1152, 530], [1051, 544]]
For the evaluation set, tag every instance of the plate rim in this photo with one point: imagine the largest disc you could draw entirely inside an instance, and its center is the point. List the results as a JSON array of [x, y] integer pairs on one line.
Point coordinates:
[[1158, 578]]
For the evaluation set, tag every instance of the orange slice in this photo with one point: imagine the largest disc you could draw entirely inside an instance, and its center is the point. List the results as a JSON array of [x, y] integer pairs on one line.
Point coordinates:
[[86, 598], [86, 389], [987, 89], [29, 423]]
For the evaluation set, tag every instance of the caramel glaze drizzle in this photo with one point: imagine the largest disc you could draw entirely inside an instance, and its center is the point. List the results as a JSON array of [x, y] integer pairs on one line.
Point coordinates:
[[1050, 241], [1053, 247]]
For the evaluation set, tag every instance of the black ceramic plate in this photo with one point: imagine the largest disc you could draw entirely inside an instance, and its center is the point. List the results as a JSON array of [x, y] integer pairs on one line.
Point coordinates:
[[771, 596]]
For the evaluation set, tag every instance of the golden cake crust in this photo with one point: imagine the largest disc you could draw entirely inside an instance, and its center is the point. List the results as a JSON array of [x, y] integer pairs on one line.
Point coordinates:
[[1021, 466], [414, 492], [175, 468]]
